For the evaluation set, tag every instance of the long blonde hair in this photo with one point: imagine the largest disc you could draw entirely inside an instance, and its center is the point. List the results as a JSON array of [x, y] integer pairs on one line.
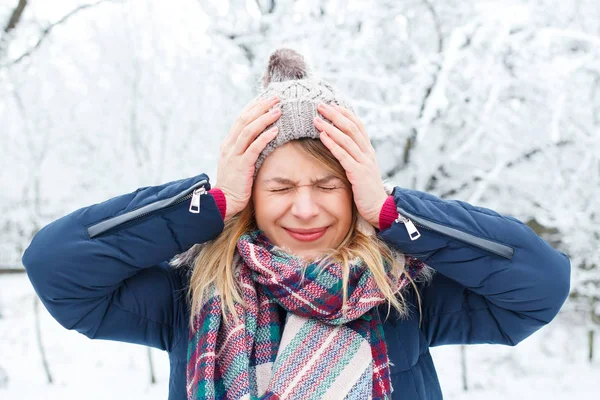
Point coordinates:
[[214, 263]]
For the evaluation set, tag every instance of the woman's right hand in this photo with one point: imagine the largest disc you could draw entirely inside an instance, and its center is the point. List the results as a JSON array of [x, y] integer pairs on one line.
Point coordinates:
[[240, 150]]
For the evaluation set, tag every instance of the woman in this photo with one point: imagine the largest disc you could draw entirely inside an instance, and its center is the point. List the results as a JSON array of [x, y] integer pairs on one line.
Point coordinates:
[[294, 264]]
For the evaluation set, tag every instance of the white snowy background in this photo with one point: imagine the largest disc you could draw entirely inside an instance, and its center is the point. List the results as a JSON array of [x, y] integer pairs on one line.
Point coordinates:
[[493, 102]]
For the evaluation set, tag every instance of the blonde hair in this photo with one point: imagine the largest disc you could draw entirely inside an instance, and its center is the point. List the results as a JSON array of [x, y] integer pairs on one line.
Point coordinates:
[[214, 263]]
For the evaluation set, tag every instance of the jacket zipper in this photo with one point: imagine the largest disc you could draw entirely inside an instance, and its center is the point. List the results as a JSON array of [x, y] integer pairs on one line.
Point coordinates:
[[411, 222], [194, 193], [195, 203]]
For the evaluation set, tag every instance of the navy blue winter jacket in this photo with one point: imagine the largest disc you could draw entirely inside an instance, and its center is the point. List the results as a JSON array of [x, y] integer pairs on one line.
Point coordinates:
[[102, 270]]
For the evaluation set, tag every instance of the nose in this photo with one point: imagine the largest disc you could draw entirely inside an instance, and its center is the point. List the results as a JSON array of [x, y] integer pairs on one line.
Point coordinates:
[[304, 205]]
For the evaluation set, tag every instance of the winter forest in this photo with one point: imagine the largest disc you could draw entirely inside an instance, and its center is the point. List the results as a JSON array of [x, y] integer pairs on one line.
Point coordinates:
[[495, 102]]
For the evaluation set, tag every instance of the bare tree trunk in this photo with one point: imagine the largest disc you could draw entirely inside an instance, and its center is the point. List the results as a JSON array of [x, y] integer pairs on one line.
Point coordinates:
[[6, 271], [38, 333], [152, 376], [15, 17], [12, 23], [266, 6], [463, 367], [3, 378], [591, 345]]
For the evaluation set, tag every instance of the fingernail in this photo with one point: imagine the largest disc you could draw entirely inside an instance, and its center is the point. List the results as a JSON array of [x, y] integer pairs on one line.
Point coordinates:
[[276, 110], [323, 106], [319, 120]]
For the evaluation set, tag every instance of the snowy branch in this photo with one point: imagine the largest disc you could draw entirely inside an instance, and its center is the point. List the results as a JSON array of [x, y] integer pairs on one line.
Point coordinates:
[[525, 156], [437, 24], [434, 99], [46, 31], [571, 34]]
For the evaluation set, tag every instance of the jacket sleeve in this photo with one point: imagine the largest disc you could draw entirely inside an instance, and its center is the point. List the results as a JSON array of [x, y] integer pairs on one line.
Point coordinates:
[[102, 269], [496, 280]]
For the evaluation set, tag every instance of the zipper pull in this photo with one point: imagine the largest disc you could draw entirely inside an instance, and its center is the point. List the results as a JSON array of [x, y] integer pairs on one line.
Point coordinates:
[[413, 232], [195, 203]]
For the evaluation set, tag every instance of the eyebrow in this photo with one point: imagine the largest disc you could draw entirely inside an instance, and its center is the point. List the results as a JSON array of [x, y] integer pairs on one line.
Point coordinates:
[[285, 181]]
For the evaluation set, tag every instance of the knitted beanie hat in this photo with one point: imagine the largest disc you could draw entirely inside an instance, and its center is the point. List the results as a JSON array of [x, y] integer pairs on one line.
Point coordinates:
[[287, 77]]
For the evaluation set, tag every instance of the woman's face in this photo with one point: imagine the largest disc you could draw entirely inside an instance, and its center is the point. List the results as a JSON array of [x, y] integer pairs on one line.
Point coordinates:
[[300, 204]]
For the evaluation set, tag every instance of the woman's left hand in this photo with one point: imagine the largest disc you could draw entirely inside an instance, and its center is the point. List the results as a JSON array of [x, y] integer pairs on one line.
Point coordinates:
[[348, 141]]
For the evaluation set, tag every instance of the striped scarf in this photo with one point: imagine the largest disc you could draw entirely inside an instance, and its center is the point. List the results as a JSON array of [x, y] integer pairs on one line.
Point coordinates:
[[292, 341]]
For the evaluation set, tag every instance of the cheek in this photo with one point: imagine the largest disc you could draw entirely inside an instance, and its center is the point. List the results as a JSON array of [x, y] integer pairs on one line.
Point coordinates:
[[268, 208], [340, 205]]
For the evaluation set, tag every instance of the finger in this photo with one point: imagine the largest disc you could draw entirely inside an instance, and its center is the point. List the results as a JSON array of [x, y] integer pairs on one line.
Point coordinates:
[[348, 162], [345, 124], [341, 139], [250, 113], [251, 131], [351, 116], [260, 143], [262, 104], [254, 103]]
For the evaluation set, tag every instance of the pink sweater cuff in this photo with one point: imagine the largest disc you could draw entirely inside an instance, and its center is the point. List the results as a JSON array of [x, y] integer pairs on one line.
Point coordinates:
[[388, 214], [219, 197]]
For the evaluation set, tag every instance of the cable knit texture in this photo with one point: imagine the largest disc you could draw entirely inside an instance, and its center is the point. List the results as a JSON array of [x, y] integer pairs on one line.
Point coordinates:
[[299, 101]]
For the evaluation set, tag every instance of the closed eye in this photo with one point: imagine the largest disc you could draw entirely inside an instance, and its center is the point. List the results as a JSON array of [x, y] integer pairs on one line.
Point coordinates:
[[280, 190], [329, 188]]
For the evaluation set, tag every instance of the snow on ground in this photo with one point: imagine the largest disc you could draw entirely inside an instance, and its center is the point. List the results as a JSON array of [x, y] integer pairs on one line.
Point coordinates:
[[549, 365]]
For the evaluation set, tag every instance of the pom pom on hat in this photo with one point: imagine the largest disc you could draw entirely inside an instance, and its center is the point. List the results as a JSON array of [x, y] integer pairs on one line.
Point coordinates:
[[285, 65]]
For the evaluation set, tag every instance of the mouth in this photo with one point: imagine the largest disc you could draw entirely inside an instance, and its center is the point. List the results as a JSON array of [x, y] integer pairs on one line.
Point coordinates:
[[306, 235]]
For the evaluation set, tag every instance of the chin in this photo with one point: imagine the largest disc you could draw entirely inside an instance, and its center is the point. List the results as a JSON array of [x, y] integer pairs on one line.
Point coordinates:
[[311, 255]]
